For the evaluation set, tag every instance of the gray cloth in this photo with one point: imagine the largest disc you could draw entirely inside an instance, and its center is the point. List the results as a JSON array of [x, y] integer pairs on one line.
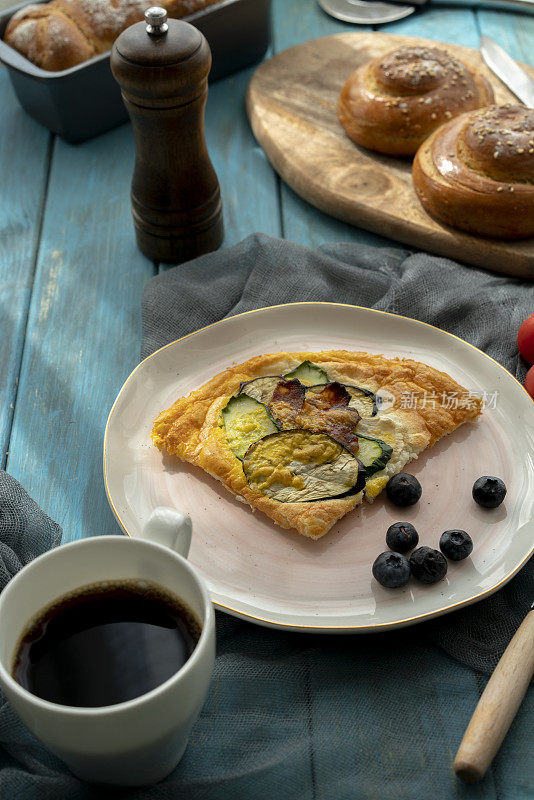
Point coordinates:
[[25, 530], [481, 307], [25, 533]]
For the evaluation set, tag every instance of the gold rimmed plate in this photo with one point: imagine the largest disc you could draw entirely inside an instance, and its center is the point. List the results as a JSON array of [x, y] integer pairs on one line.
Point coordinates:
[[262, 573]]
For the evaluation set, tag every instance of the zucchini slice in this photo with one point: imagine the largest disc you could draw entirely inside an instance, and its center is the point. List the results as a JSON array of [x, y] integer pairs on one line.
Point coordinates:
[[363, 400], [261, 389], [299, 466], [308, 374], [373, 453], [327, 395], [245, 421]]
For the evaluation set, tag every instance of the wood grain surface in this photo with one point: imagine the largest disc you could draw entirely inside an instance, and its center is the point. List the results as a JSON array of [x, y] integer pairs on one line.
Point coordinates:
[[25, 147], [291, 103]]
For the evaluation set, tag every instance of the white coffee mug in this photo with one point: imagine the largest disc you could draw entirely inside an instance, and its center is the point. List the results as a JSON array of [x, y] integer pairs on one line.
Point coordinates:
[[132, 743]]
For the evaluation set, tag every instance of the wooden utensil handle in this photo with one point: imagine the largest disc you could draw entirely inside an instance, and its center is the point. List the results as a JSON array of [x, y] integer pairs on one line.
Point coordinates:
[[498, 705]]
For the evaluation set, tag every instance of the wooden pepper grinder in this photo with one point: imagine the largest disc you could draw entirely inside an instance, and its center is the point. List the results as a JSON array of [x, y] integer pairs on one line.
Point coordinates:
[[162, 68]]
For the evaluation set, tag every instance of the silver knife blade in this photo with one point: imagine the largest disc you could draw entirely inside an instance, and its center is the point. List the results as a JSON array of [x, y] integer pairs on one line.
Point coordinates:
[[510, 73]]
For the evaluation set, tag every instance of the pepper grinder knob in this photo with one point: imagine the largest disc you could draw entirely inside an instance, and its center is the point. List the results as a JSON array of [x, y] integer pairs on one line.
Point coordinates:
[[156, 21], [162, 68]]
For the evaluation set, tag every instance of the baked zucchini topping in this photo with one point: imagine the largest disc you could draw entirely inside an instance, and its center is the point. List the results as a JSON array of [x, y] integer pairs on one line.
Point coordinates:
[[314, 379], [287, 403], [297, 435], [363, 400], [374, 454], [328, 395], [299, 466], [245, 421], [261, 389], [327, 411], [308, 374]]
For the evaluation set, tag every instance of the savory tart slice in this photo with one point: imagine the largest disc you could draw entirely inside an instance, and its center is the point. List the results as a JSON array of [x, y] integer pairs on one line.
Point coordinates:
[[303, 437]]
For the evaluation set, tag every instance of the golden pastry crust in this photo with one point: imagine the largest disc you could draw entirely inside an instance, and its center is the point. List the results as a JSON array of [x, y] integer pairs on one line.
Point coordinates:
[[192, 428]]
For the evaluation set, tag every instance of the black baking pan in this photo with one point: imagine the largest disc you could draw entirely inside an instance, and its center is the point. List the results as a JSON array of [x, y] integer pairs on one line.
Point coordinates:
[[85, 100]]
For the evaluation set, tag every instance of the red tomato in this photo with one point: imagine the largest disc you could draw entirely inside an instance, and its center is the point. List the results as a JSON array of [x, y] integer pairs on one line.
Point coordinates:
[[525, 339], [529, 382]]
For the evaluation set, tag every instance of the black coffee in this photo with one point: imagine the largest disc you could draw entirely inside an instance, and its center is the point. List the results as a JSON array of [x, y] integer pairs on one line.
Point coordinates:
[[105, 643]]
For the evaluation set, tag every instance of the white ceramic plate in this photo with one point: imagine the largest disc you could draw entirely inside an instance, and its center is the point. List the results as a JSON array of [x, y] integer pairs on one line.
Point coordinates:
[[258, 571]]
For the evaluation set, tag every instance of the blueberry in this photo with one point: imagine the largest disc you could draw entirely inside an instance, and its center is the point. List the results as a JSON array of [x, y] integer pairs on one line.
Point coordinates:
[[456, 545], [401, 537], [428, 565], [403, 489], [391, 570], [489, 491]]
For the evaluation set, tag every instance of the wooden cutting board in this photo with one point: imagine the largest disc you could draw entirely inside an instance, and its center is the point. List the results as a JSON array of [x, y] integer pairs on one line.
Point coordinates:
[[291, 103]]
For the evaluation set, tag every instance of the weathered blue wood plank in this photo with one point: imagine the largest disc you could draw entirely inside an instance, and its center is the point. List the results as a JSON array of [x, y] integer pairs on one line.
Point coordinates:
[[24, 161], [457, 26], [295, 21], [514, 32], [302, 223], [83, 332], [248, 182], [249, 187], [84, 327]]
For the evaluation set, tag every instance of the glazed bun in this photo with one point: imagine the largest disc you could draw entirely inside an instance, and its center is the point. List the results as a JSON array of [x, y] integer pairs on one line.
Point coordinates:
[[393, 103], [477, 172]]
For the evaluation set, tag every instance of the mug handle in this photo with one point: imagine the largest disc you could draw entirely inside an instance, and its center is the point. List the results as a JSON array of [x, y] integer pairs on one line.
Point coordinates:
[[171, 528]]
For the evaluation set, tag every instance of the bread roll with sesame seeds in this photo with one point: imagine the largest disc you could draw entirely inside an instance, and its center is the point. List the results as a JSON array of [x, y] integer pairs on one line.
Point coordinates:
[[391, 104], [60, 34], [477, 172]]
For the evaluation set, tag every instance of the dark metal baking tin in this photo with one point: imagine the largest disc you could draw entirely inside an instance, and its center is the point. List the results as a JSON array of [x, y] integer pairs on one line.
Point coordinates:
[[85, 100]]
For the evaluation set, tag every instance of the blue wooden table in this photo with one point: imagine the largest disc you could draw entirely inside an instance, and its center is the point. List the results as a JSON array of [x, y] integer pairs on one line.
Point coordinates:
[[71, 279]]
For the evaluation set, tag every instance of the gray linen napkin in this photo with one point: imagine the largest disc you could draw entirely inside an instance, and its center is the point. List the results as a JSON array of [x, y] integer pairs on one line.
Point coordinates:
[[25, 533], [25, 530], [481, 307]]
